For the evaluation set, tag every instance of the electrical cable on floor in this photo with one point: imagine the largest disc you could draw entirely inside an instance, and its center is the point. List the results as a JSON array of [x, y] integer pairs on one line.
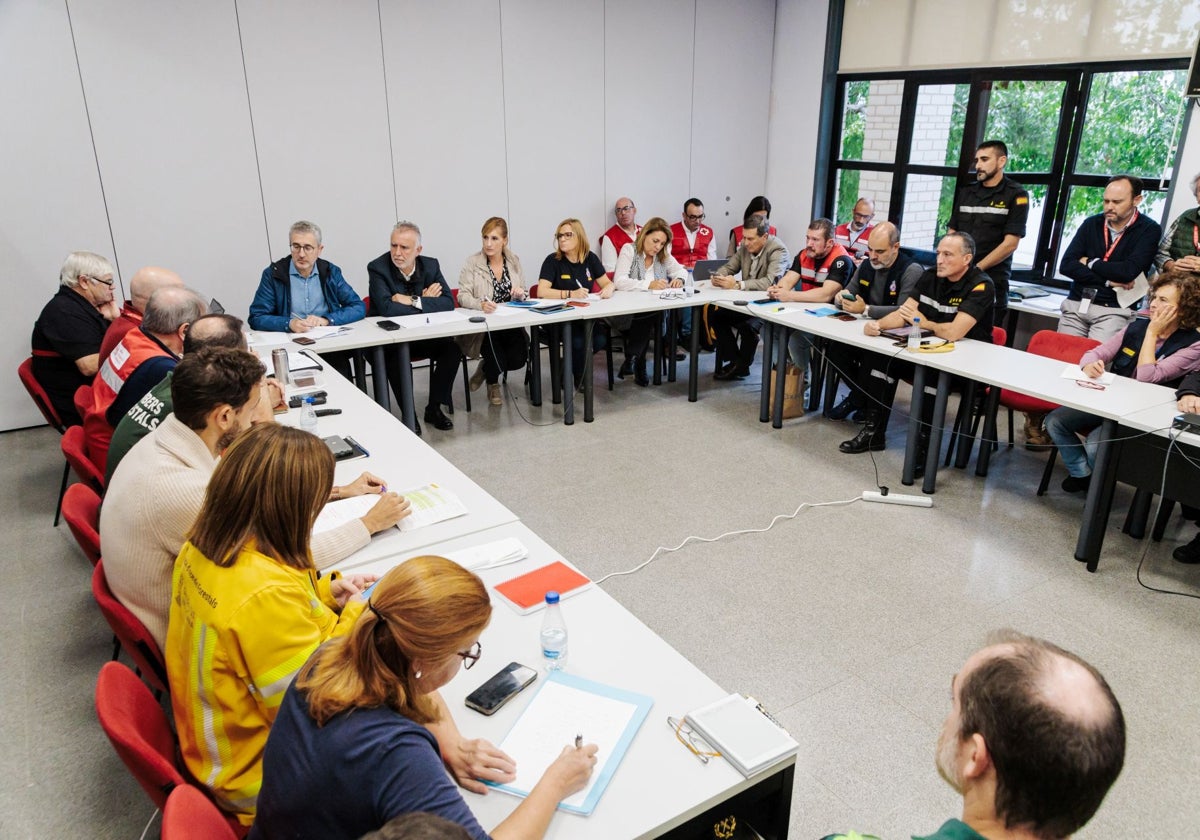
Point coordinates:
[[1162, 498], [664, 549], [148, 824], [487, 327]]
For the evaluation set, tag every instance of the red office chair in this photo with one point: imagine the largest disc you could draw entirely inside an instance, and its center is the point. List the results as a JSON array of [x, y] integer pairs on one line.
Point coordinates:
[[74, 447], [129, 633], [1052, 345], [42, 400], [190, 815], [81, 509]]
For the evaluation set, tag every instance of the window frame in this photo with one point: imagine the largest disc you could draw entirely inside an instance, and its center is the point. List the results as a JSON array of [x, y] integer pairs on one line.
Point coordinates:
[[1059, 180]]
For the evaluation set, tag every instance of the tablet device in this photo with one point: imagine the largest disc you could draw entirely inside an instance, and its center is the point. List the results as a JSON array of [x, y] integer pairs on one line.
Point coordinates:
[[704, 269]]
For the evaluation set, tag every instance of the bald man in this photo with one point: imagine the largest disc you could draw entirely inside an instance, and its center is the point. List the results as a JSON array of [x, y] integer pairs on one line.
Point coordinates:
[[619, 235], [143, 284], [852, 235]]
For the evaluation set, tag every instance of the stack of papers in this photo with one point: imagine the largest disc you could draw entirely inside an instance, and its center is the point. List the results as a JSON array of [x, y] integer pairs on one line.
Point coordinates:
[[296, 360], [489, 555], [430, 504], [743, 732]]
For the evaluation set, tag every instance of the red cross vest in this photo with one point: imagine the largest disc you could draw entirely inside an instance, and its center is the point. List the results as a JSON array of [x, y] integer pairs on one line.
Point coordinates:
[[813, 275], [856, 246], [619, 240], [685, 255]]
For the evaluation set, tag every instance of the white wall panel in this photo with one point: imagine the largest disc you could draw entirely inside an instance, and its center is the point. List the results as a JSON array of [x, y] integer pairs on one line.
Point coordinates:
[[167, 94], [315, 74], [648, 106], [447, 114], [795, 105], [52, 203], [732, 85], [554, 93]]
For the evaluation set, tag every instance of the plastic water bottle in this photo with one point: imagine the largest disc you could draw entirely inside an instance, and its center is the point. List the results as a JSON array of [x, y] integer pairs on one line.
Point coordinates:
[[689, 285], [554, 635], [914, 334], [308, 416]]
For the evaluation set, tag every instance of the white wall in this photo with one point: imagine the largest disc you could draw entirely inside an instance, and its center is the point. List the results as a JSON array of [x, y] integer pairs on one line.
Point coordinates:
[[215, 126], [795, 110]]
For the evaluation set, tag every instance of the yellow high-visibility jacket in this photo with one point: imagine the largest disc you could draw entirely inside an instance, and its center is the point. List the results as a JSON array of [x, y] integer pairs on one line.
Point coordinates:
[[236, 637]]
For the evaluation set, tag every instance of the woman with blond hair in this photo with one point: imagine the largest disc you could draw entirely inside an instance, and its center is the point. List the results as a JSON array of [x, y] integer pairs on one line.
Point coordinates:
[[248, 607], [351, 748], [491, 278], [645, 264], [570, 272]]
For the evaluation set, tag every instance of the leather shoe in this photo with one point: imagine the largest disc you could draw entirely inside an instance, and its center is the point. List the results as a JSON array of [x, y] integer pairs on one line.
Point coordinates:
[[1077, 484], [739, 373], [842, 410], [626, 369], [476, 380], [868, 438], [1190, 553], [639, 373], [436, 418], [680, 354], [724, 373]]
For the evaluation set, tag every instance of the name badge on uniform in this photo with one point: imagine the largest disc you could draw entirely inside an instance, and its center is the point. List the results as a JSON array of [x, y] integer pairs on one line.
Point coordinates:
[[1085, 302]]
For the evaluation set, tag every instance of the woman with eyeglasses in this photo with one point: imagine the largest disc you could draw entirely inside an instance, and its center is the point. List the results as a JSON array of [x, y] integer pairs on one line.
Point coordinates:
[[569, 273], [492, 278], [247, 606], [1161, 349], [352, 746], [646, 264]]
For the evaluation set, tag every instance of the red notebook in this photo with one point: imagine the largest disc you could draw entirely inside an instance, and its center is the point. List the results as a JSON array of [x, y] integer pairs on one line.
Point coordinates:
[[527, 593]]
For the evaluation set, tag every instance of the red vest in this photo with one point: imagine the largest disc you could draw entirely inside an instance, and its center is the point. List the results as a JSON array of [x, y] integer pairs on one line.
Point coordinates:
[[856, 246], [687, 256], [116, 331], [813, 275], [738, 233], [619, 240], [125, 358]]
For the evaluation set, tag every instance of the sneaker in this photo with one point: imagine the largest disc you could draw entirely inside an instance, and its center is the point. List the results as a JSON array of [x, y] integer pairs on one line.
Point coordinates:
[[1077, 483], [494, 394], [477, 377], [1190, 553]]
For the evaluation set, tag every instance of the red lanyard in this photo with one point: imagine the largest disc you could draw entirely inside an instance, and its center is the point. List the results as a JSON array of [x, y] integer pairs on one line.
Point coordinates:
[[1119, 235], [1196, 238]]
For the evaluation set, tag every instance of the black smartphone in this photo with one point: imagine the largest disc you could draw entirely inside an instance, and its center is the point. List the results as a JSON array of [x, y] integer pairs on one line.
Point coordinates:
[[388, 325], [843, 316], [304, 340], [848, 295], [501, 688]]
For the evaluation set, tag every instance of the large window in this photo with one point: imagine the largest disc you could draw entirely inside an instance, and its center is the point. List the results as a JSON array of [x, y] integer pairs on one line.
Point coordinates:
[[908, 140]]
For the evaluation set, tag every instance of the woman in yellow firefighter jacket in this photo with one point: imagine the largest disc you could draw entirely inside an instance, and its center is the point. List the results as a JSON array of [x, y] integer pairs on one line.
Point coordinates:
[[248, 608]]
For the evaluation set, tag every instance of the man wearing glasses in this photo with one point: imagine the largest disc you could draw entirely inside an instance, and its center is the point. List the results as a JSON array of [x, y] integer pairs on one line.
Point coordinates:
[[303, 291], [68, 333], [691, 241], [619, 235], [853, 235]]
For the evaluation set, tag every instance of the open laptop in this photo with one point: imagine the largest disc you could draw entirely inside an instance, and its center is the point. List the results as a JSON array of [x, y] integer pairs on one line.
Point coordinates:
[[704, 269]]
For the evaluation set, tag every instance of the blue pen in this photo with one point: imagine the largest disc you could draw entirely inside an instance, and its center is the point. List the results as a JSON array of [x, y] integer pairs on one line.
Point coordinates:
[[358, 445]]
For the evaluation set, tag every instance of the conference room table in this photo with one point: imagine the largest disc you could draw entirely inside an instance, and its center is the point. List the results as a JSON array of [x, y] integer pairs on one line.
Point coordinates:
[[660, 788]]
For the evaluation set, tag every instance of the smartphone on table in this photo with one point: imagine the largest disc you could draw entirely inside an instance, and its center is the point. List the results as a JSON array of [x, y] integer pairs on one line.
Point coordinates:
[[501, 688]]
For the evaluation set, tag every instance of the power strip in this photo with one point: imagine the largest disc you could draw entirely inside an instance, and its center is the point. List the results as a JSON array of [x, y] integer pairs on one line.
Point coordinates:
[[897, 499]]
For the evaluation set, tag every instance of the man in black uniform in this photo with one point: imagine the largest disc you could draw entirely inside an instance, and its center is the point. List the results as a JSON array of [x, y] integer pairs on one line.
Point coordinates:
[[955, 301], [882, 280], [993, 210]]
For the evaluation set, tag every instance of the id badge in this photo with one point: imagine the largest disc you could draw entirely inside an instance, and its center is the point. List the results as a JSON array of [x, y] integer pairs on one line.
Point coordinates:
[[1084, 305]]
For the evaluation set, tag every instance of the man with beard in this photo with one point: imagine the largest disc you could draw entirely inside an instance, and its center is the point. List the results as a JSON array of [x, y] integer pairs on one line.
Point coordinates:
[[821, 270], [993, 209], [854, 234], [886, 277], [159, 487], [1033, 741]]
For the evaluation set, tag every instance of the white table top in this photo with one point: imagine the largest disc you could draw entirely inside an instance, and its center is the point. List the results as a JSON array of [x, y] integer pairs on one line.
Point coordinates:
[[1047, 305], [405, 462], [659, 783]]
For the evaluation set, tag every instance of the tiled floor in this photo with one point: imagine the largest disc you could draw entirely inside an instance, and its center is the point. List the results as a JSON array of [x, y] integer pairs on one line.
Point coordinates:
[[847, 621]]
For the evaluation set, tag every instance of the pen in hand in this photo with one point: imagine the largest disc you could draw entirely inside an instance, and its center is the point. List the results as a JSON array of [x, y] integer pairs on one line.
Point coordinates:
[[578, 741]]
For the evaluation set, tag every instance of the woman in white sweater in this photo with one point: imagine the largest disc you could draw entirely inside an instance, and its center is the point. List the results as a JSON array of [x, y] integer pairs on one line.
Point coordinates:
[[646, 264], [490, 278]]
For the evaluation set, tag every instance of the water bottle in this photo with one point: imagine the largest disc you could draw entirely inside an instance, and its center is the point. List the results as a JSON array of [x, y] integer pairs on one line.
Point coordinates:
[[308, 416], [689, 285], [914, 334], [554, 635]]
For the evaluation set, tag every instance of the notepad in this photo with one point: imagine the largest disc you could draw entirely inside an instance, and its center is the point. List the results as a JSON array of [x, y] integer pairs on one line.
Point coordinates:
[[1076, 372], [566, 706], [489, 555], [743, 733], [296, 360], [527, 593], [823, 311], [430, 504]]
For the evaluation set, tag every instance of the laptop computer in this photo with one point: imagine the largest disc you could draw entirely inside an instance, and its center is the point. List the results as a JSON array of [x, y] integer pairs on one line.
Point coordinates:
[[704, 269]]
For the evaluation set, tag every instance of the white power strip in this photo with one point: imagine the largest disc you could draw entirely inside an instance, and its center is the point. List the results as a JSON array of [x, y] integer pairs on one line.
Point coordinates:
[[897, 499]]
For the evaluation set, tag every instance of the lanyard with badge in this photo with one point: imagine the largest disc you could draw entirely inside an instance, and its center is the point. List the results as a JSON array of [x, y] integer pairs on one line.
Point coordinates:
[[1086, 302]]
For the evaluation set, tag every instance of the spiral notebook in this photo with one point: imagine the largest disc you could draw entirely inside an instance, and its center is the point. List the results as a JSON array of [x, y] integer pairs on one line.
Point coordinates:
[[743, 732]]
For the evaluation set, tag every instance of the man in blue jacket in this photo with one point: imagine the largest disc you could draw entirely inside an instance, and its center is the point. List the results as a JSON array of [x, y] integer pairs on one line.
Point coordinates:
[[304, 291]]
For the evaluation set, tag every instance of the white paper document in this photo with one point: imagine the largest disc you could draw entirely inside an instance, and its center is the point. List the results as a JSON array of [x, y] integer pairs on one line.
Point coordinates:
[[1076, 372], [430, 504], [1128, 297], [296, 360], [489, 555]]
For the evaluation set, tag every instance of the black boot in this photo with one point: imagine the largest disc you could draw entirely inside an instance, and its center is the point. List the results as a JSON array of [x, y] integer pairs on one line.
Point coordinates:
[[842, 410], [639, 372], [870, 437]]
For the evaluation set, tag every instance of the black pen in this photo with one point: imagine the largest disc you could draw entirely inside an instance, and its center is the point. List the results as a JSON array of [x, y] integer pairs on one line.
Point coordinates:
[[578, 741]]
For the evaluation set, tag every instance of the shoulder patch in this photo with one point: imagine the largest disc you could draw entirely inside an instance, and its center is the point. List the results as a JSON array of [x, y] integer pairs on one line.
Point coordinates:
[[1022, 199], [979, 288]]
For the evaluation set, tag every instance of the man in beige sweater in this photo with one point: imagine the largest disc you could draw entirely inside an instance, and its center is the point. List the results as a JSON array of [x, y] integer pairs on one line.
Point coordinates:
[[158, 488]]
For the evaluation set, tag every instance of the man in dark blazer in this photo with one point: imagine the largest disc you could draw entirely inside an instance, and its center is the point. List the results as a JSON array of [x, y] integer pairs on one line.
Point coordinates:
[[402, 282]]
